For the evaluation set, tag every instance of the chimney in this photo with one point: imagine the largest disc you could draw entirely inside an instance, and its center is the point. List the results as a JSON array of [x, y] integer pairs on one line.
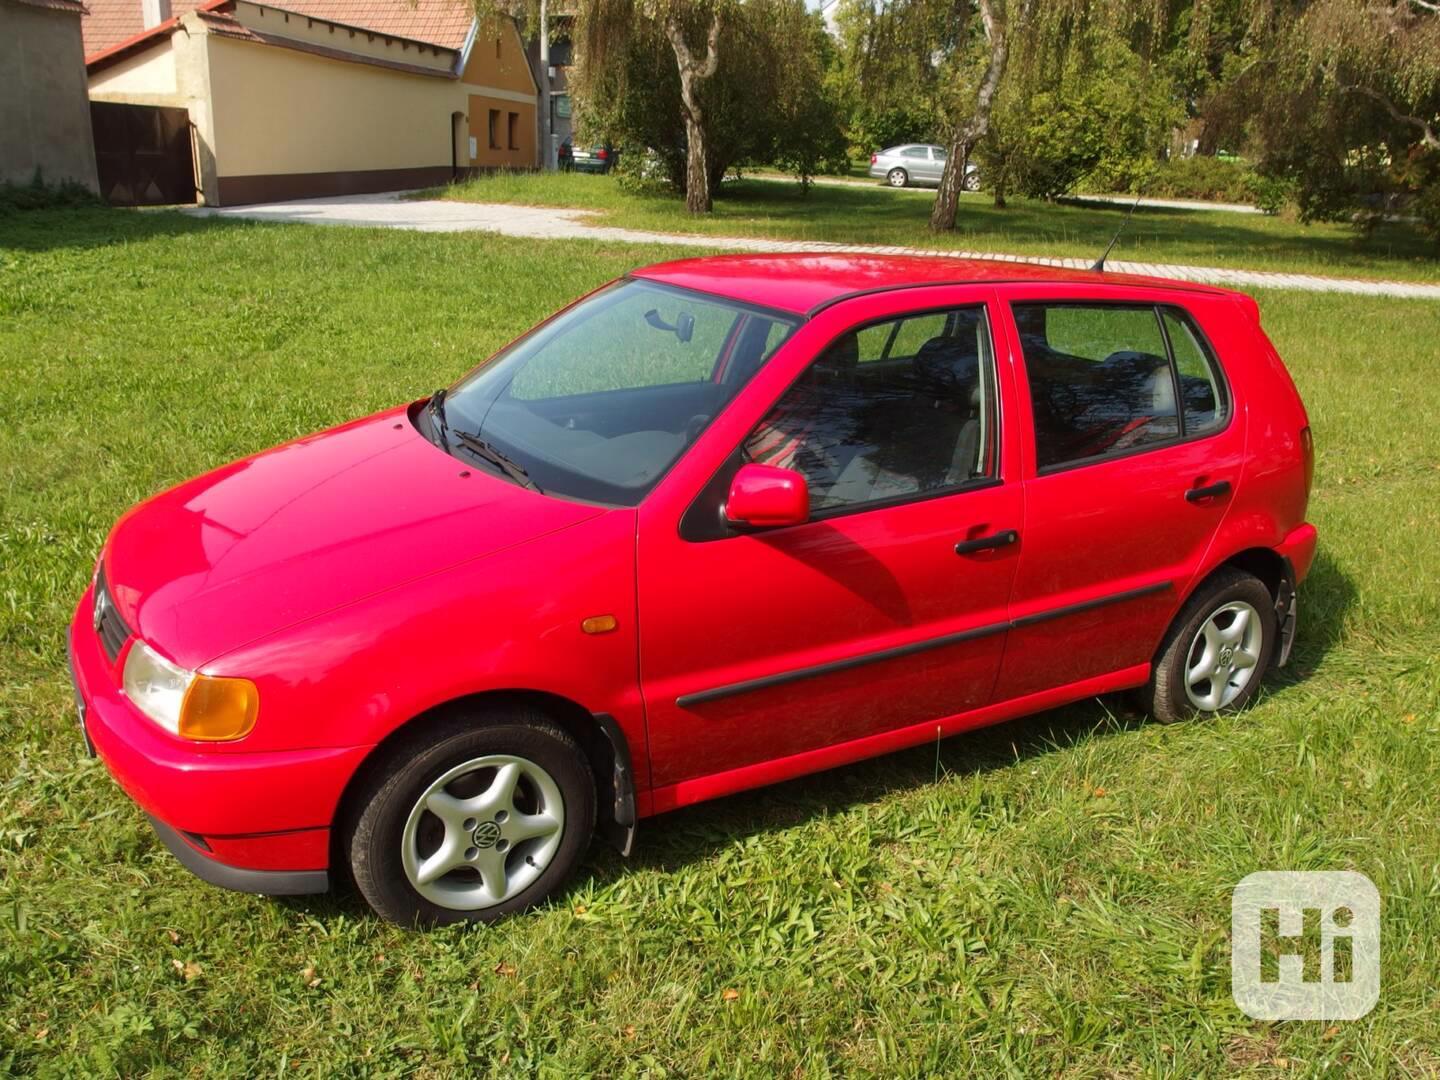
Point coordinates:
[[154, 12]]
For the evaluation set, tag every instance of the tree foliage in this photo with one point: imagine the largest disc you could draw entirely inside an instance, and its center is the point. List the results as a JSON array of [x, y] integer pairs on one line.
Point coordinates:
[[1340, 99]]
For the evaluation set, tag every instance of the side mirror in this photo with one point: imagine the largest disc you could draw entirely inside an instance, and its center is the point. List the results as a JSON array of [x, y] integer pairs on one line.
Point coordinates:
[[767, 497]]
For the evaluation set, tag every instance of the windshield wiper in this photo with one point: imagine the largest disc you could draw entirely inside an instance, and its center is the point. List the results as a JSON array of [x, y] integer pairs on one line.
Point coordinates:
[[513, 469], [436, 409]]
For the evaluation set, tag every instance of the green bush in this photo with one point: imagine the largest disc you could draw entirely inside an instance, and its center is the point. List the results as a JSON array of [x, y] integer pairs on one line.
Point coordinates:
[[38, 195], [1198, 177]]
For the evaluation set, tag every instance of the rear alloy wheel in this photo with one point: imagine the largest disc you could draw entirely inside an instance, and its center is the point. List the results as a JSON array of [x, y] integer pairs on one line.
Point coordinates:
[[897, 178], [486, 817], [971, 181], [1216, 651]]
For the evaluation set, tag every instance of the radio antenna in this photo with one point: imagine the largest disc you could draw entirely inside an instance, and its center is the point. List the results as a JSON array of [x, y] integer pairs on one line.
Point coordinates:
[[1100, 262]]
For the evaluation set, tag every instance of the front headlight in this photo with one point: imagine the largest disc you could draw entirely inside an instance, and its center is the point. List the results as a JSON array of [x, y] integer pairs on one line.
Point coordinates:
[[203, 707]]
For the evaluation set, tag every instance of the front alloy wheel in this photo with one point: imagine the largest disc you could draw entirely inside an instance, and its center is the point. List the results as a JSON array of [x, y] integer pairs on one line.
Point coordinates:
[[483, 832], [471, 817]]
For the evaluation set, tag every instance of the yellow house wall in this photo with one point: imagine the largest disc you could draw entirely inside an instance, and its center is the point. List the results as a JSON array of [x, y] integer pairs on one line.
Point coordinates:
[[148, 78], [282, 111], [522, 154], [498, 60]]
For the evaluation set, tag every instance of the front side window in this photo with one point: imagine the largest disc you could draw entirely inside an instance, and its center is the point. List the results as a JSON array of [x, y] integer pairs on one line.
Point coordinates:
[[884, 413], [1100, 379], [600, 401]]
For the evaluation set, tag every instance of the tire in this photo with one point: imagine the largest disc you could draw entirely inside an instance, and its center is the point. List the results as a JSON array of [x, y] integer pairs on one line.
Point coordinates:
[[1178, 689], [394, 831], [971, 182], [897, 178]]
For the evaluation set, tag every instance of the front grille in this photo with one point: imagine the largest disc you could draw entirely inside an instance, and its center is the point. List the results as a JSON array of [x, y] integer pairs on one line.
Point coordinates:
[[108, 623]]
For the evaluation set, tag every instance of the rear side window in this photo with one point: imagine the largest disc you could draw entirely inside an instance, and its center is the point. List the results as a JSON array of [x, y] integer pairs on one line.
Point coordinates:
[[1104, 377], [915, 152]]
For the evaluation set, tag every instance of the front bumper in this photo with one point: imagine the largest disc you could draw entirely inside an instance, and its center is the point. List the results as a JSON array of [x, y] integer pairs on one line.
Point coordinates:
[[234, 818]]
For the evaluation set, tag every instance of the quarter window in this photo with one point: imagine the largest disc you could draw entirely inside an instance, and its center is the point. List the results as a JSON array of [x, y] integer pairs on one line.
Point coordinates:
[[922, 421], [1100, 379], [1202, 394]]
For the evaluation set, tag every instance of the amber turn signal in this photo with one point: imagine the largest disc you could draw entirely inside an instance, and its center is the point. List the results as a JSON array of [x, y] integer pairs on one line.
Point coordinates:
[[217, 709], [599, 624]]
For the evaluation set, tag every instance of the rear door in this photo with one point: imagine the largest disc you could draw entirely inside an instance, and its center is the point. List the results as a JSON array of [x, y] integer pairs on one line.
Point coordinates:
[[1134, 452], [937, 164]]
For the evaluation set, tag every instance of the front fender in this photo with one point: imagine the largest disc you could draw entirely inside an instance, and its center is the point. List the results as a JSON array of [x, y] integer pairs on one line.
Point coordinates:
[[511, 621]]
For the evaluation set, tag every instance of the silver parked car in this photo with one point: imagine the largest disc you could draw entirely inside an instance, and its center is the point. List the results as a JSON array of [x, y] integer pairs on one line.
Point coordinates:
[[916, 163]]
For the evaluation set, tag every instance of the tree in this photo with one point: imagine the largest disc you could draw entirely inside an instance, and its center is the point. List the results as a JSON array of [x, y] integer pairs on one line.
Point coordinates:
[[693, 72], [1340, 99], [777, 108], [610, 31], [968, 133]]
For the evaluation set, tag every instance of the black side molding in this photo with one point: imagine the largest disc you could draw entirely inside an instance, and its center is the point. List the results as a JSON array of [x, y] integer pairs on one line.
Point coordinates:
[[1090, 605], [700, 697], [264, 882]]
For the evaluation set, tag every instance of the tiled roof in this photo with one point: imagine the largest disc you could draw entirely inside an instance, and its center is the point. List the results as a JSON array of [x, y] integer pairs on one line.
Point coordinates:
[[436, 22], [112, 21], [226, 25], [73, 6]]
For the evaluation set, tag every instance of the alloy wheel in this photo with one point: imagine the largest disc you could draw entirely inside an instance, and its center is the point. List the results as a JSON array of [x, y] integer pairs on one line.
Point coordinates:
[[483, 832], [1224, 656]]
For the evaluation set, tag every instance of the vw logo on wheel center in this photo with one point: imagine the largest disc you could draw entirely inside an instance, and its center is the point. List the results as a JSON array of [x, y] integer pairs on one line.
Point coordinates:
[[486, 833]]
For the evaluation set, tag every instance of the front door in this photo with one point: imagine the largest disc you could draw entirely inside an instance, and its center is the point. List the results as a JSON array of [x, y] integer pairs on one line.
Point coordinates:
[[1137, 448], [866, 619]]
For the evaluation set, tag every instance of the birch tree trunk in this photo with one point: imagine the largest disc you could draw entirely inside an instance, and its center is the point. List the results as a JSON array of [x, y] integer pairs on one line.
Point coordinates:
[[693, 72], [952, 180]]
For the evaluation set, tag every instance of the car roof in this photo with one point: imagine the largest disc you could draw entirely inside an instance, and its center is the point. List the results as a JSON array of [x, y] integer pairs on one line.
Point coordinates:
[[805, 282]]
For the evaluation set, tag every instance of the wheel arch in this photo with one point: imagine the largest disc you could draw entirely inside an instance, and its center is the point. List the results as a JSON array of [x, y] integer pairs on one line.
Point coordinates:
[[600, 737], [1275, 572]]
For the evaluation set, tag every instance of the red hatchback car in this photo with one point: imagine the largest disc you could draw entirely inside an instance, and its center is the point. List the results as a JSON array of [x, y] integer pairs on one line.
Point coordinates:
[[719, 523]]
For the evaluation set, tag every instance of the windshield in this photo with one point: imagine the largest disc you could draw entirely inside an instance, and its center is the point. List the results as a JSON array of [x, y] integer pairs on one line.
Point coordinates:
[[597, 403]]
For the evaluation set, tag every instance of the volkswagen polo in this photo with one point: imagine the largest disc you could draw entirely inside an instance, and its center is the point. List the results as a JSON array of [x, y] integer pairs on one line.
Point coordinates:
[[719, 523]]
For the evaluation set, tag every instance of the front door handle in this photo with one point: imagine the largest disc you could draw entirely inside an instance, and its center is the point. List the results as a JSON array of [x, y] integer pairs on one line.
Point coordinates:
[[1209, 491], [985, 543]]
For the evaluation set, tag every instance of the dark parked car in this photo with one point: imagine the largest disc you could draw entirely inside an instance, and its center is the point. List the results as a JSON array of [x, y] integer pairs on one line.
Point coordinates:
[[592, 159]]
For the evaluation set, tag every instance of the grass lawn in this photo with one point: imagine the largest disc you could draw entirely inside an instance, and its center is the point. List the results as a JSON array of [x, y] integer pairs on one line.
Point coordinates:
[[864, 214], [1049, 896]]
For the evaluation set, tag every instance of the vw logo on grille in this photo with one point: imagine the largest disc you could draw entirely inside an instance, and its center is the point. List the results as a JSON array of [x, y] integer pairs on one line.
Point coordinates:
[[486, 833], [102, 604]]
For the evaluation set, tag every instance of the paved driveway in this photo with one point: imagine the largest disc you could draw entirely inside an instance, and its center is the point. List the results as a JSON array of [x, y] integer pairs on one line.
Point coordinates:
[[390, 211]]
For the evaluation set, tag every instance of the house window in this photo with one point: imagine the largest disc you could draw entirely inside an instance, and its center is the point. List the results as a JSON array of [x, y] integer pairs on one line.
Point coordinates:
[[494, 129], [513, 134]]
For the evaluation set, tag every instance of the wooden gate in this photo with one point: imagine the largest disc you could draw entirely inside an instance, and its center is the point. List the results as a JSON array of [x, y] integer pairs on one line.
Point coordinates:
[[143, 154]]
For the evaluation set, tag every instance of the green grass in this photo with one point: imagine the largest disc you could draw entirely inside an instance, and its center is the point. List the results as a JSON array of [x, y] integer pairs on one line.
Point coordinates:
[[977, 908], [862, 214]]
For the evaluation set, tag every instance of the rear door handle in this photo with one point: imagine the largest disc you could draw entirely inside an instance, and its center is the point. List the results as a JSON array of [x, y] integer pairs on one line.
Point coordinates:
[[1209, 491], [985, 543]]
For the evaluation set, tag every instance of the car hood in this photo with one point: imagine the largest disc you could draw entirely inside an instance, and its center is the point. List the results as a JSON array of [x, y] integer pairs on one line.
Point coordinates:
[[296, 531]]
